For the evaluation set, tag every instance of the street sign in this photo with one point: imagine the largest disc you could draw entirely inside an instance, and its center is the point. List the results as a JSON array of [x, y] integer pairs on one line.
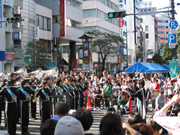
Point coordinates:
[[173, 31], [37, 33], [147, 11], [172, 45], [172, 38], [173, 24], [27, 58], [17, 35], [161, 52]]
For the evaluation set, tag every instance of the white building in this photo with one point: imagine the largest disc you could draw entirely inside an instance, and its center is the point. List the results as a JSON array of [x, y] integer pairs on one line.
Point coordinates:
[[95, 17], [6, 46], [133, 26], [33, 15]]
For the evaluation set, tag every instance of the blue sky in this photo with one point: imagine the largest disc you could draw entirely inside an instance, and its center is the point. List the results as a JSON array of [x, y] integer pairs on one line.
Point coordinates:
[[165, 3]]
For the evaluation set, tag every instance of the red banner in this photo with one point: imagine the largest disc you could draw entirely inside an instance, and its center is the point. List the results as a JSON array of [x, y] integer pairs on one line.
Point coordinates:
[[9, 57], [73, 64], [120, 22], [62, 18]]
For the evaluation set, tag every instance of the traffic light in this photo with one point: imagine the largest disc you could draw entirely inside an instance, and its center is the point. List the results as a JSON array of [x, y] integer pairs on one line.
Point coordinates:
[[116, 14], [14, 19]]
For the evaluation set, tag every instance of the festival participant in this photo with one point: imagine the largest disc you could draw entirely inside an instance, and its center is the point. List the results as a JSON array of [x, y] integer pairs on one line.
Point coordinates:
[[140, 94]]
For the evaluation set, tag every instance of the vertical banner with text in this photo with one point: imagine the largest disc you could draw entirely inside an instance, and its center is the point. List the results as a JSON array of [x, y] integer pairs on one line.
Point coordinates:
[[173, 66], [62, 18]]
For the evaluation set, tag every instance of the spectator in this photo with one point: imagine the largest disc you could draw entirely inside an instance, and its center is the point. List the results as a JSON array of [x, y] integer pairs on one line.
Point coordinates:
[[122, 101], [69, 125], [48, 127], [86, 119], [143, 128], [103, 79], [90, 92], [134, 119], [111, 125], [97, 95], [61, 109], [115, 93], [160, 100], [107, 91]]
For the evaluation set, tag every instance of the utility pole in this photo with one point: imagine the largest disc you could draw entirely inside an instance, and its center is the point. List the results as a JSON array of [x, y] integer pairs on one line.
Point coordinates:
[[173, 12], [134, 2]]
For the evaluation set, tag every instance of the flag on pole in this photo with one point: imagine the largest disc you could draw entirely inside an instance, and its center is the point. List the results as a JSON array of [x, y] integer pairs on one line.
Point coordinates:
[[173, 66]]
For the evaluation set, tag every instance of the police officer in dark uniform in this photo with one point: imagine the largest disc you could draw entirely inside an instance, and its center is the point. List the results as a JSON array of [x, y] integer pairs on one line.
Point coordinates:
[[45, 94], [33, 104], [24, 96], [11, 109]]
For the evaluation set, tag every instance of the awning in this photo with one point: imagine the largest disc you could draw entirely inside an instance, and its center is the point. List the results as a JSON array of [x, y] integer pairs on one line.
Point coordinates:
[[48, 65], [143, 67]]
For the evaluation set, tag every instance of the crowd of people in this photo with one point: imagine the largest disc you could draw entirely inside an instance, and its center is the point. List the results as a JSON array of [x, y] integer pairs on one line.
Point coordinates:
[[115, 93]]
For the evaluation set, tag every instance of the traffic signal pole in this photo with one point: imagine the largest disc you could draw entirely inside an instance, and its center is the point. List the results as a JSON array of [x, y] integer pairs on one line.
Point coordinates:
[[173, 12], [135, 29]]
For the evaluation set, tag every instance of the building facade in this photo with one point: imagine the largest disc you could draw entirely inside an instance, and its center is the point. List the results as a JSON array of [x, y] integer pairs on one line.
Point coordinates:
[[133, 30], [6, 33], [163, 29], [66, 30]]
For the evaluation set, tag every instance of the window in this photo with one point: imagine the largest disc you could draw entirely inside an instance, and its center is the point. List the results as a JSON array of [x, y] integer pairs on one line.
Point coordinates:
[[147, 35], [75, 3], [73, 23], [163, 38], [146, 28], [45, 23], [163, 21], [49, 24], [65, 49], [89, 13], [41, 22]]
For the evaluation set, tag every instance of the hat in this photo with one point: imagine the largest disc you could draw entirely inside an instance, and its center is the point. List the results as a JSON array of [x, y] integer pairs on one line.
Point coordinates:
[[69, 125], [161, 91]]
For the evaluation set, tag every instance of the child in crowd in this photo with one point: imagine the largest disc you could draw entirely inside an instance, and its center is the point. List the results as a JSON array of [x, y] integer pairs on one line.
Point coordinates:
[[91, 91], [119, 92], [97, 95], [102, 94], [122, 101]]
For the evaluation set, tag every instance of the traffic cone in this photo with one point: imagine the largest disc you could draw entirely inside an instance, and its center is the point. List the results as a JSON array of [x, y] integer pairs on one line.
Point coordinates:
[[88, 107], [130, 107]]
